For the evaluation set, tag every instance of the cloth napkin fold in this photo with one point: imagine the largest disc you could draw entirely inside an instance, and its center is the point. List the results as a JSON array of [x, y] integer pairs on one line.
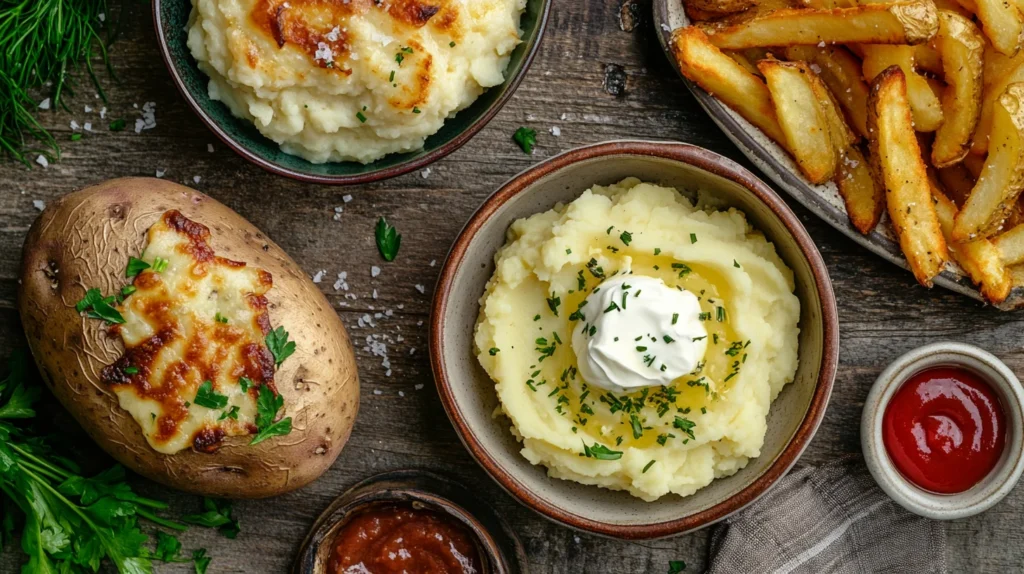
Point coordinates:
[[830, 519]]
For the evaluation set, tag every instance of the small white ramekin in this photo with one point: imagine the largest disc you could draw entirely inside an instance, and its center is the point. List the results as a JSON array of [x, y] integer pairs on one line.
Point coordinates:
[[993, 487]]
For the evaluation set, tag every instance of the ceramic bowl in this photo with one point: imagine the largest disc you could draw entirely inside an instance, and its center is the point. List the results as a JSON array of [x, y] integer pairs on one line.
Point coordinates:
[[499, 548], [468, 393], [993, 487], [171, 19]]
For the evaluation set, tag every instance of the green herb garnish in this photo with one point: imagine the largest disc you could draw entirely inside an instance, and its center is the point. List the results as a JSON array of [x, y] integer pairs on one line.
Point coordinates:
[[135, 266], [96, 306], [686, 425], [209, 398], [389, 240], [268, 404], [279, 345], [217, 514], [601, 452], [526, 138]]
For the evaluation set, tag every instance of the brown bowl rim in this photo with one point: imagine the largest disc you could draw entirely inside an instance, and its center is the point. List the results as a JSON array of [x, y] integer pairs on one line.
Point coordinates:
[[368, 177], [715, 164]]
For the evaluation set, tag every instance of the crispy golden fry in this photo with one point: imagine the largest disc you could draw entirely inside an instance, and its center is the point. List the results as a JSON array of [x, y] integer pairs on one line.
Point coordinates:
[[718, 74], [841, 134], [864, 199], [924, 104], [980, 258], [1011, 245], [841, 72], [955, 6], [957, 181], [901, 22], [805, 125], [1003, 24], [745, 62], [721, 6], [900, 170], [989, 97], [961, 45], [1001, 180], [927, 59], [998, 66]]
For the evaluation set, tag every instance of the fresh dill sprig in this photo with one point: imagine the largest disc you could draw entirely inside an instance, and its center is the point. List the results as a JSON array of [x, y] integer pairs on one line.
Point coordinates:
[[42, 44]]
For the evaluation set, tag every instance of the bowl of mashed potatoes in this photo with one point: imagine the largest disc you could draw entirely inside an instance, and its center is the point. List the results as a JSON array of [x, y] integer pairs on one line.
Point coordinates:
[[635, 338], [347, 91]]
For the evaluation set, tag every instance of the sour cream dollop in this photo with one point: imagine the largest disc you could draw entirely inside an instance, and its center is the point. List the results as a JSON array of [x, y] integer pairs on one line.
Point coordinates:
[[637, 332]]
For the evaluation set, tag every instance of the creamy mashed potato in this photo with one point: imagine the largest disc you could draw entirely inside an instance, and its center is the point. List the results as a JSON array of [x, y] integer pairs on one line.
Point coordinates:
[[351, 80], [663, 439]]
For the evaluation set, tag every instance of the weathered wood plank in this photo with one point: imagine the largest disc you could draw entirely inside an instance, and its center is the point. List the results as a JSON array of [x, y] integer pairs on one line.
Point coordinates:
[[595, 82]]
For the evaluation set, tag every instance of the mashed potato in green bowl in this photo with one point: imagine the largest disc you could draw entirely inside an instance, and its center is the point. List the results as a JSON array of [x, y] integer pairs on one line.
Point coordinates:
[[637, 340]]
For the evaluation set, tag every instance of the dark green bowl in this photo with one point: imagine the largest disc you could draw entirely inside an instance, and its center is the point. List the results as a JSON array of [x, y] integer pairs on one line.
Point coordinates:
[[171, 20]]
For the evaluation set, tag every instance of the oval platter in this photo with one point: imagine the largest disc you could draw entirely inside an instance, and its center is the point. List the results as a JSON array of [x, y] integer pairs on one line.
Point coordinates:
[[823, 200]]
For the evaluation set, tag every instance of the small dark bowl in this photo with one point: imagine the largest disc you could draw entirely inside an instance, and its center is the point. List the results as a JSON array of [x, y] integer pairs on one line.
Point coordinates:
[[171, 19], [499, 548]]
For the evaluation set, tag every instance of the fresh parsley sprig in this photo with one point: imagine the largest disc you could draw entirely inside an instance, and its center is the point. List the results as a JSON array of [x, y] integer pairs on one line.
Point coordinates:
[[389, 240], [96, 306], [70, 522], [526, 138], [268, 405], [279, 345]]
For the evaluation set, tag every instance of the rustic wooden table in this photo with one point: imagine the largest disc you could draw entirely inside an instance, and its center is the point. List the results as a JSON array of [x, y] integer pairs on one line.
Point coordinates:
[[600, 74]]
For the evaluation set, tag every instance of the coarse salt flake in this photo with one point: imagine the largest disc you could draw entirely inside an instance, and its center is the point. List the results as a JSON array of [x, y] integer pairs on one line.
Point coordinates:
[[374, 271], [39, 204], [41, 160]]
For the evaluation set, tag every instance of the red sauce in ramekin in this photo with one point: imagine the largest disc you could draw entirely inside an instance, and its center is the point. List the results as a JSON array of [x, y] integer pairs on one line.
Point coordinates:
[[394, 539], [944, 429]]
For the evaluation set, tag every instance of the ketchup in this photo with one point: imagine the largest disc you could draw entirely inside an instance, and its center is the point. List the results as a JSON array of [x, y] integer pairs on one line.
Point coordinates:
[[392, 539], [944, 429]]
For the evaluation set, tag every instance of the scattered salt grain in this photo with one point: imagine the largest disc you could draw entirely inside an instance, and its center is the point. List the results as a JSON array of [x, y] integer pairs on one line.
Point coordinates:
[[45, 104], [41, 160], [160, 172], [342, 284], [401, 393], [333, 35], [374, 271], [816, 68], [148, 119], [377, 391], [421, 288], [418, 387], [323, 52], [196, 179], [319, 276], [565, 117], [821, 44], [346, 198], [425, 173], [101, 17], [38, 204], [433, 262], [103, 112], [88, 109], [87, 126], [556, 131], [375, 297], [209, 148], [337, 213], [75, 126]]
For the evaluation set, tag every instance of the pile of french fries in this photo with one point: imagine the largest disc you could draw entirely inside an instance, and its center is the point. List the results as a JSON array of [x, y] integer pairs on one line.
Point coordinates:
[[915, 107]]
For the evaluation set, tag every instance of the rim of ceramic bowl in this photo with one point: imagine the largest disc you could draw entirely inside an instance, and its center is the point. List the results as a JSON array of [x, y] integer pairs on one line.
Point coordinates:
[[411, 487], [991, 489], [707, 161], [510, 86]]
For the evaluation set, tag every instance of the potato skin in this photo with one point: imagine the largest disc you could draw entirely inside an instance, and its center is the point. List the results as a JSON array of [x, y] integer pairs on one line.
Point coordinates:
[[84, 240]]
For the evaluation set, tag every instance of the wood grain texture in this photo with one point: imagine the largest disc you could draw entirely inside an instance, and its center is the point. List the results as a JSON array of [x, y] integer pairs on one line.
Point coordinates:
[[593, 80]]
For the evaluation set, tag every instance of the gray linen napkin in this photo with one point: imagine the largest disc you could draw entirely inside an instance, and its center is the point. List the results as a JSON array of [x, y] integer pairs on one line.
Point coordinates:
[[831, 519]]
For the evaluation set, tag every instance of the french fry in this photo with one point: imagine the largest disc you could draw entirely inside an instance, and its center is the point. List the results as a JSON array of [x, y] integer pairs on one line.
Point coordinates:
[[927, 59], [841, 135], [1003, 24], [719, 75], [743, 61], [994, 196], [924, 104], [805, 125], [1011, 245], [900, 170], [961, 46], [864, 199], [998, 66], [901, 22], [957, 181], [980, 258], [989, 97], [841, 72], [721, 6]]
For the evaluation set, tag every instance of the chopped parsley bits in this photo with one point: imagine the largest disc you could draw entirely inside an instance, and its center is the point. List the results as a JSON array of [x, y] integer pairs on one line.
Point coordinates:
[[553, 303], [601, 452], [361, 116], [648, 466], [494, 351], [626, 238], [526, 138], [693, 238], [135, 266], [131, 370], [209, 398], [685, 425]]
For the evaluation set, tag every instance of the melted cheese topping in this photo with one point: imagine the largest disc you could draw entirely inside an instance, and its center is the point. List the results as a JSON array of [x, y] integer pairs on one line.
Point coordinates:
[[195, 318]]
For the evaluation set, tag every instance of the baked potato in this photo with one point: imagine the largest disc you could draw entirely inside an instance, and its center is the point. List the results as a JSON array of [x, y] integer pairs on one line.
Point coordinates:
[[185, 342]]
